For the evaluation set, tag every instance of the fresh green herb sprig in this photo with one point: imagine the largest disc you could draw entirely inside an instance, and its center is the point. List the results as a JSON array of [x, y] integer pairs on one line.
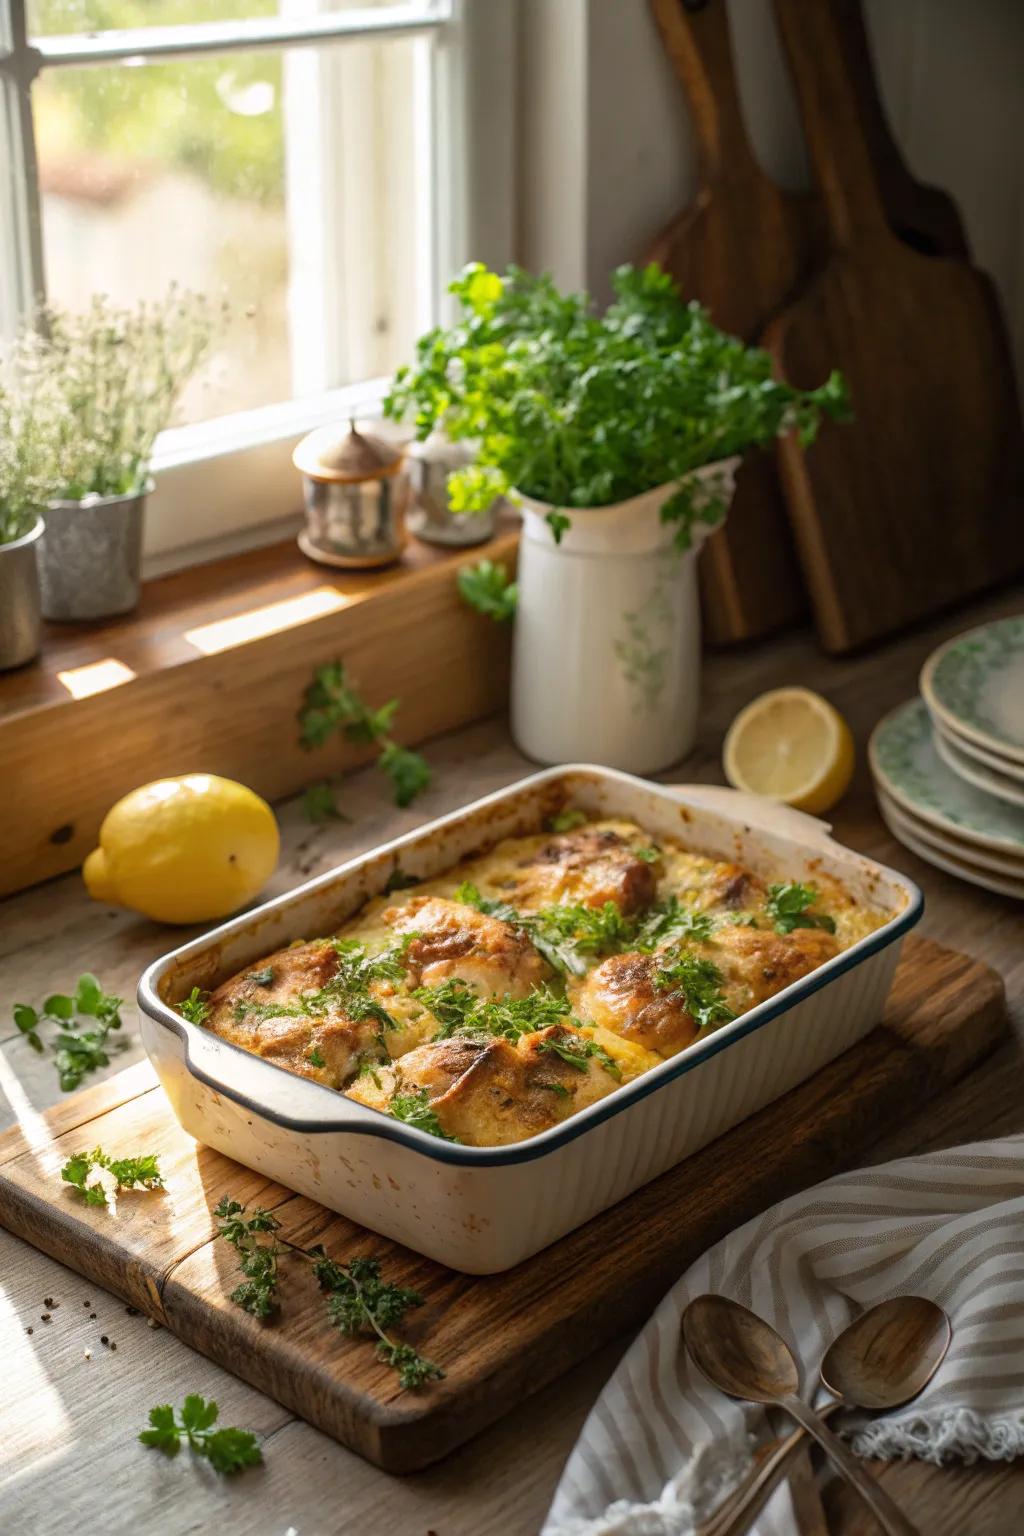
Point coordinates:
[[227, 1450], [486, 587], [196, 1007], [579, 409], [359, 1302], [77, 1052], [786, 906], [698, 981], [577, 1050], [567, 820], [669, 922], [566, 934], [330, 704], [129, 1172]]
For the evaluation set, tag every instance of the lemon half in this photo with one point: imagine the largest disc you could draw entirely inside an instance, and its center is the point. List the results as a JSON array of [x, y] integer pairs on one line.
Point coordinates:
[[791, 745], [184, 850]]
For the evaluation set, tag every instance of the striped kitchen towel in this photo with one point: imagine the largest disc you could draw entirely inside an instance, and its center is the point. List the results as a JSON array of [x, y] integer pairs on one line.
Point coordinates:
[[661, 1446]]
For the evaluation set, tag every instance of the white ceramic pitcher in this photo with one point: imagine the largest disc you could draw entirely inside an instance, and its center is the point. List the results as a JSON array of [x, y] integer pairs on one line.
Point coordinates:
[[606, 655]]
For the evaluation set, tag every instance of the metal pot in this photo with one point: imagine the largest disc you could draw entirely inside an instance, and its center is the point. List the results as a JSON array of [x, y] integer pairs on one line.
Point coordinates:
[[432, 518], [90, 560], [19, 599]]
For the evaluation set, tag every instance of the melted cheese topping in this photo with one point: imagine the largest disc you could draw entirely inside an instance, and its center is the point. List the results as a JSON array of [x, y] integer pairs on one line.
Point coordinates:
[[497, 999]]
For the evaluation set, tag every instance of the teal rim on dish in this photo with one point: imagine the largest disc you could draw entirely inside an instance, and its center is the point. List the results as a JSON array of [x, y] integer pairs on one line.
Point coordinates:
[[905, 763], [975, 684]]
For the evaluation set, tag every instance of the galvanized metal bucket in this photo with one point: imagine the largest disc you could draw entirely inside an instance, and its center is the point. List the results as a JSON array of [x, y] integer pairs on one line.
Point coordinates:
[[90, 560], [19, 599]]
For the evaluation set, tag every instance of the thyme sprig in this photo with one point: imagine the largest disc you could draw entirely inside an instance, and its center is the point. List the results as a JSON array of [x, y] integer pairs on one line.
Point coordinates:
[[359, 1302]]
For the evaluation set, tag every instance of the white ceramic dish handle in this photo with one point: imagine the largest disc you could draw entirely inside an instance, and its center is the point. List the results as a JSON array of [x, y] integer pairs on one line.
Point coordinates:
[[755, 810]]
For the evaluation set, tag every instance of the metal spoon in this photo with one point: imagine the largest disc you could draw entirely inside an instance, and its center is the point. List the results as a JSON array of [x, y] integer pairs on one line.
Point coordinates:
[[744, 1357], [883, 1359]]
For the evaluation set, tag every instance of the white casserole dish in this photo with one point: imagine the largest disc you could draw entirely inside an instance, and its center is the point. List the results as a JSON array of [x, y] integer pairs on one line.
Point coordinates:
[[484, 1209]]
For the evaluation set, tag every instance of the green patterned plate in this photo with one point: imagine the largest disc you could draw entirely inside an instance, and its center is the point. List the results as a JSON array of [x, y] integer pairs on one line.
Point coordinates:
[[975, 684], [906, 765]]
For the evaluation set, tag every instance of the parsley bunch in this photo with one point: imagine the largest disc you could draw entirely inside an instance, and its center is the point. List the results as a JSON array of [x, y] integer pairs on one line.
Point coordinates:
[[359, 1302], [227, 1450], [129, 1173], [578, 409], [78, 1052], [461, 1011], [331, 704], [787, 905], [566, 934]]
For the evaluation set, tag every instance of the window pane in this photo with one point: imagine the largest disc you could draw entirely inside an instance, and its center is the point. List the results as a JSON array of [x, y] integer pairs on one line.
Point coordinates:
[[284, 184], [49, 17]]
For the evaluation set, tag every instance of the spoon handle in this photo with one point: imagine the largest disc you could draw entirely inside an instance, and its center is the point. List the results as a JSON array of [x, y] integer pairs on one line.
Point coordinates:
[[739, 1509], [888, 1514]]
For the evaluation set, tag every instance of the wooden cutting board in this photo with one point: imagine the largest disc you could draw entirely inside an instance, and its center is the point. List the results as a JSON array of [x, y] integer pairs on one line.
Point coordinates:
[[743, 248], [918, 503], [498, 1337]]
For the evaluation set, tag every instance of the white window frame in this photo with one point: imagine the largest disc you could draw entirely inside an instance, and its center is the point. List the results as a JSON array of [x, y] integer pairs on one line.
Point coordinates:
[[228, 483]]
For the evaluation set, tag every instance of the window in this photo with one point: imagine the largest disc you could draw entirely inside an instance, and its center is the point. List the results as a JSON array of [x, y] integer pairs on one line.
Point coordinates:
[[310, 161]]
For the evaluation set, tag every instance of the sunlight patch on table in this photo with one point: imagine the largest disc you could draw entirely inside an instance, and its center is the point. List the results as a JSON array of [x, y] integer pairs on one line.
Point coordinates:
[[96, 677]]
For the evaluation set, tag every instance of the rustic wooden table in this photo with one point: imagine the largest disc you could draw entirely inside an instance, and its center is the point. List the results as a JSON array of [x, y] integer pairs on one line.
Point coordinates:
[[68, 1455]]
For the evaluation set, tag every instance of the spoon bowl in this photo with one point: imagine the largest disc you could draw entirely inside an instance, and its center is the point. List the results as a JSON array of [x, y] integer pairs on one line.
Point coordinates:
[[888, 1355], [738, 1351]]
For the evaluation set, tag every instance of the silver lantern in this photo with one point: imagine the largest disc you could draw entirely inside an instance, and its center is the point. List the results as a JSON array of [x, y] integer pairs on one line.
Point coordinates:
[[356, 493]]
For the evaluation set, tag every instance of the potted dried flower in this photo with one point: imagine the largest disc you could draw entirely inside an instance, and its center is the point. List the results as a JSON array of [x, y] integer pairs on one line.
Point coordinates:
[[25, 487], [619, 434], [108, 378]]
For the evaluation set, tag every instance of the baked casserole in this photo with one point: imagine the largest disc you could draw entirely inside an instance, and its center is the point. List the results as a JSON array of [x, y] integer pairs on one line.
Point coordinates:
[[492, 1002]]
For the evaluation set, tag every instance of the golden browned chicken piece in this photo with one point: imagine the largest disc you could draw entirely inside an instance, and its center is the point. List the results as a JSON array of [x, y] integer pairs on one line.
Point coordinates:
[[758, 962], [263, 1010], [450, 939], [590, 866], [622, 993], [488, 1093]]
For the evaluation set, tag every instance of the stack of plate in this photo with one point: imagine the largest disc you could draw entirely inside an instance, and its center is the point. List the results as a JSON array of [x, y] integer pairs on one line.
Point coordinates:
[[949, 766]]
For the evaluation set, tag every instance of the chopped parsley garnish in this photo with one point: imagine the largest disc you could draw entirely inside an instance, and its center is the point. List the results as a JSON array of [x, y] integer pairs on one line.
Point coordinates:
[[576, 1050], [195, 1008], [414, 1109], [566, 934], [669, 922], [460, 1011], [319, 804], [315, 1058], [348, 989], [568, 820], [398, 880], [77, 1052], [787, 905], [698, 981], [649, 855], [261, 978], [227, 1450], [128, 1173]]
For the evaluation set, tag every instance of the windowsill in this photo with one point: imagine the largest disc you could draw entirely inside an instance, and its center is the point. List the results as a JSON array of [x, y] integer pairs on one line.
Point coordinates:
[[178, 686]]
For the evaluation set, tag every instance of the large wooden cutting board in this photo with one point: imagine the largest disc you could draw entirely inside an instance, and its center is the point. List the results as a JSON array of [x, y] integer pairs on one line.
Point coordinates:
[[742, 249], [498, 1337], [919, 502]]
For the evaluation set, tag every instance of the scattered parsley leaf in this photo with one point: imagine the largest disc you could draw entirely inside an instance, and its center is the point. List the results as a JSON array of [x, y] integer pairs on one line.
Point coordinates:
[[263, 978], [577, 1051], [409, 772], [26, 1019], [227, 1450], [129, 1173], [319, 804], [195, 1008], [330, 704], [77, 1053], [668, 922], [649, 855], [786, 906], [398, 880], [558, 523], [486, 587], [315, 1058]]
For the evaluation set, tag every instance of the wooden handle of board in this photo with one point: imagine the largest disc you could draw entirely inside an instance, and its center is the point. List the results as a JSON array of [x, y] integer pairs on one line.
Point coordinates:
[[812, 33], [699, 44]]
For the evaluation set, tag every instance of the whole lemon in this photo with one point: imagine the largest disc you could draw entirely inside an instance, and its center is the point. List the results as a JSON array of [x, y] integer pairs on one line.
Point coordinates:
[[184, 850]]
